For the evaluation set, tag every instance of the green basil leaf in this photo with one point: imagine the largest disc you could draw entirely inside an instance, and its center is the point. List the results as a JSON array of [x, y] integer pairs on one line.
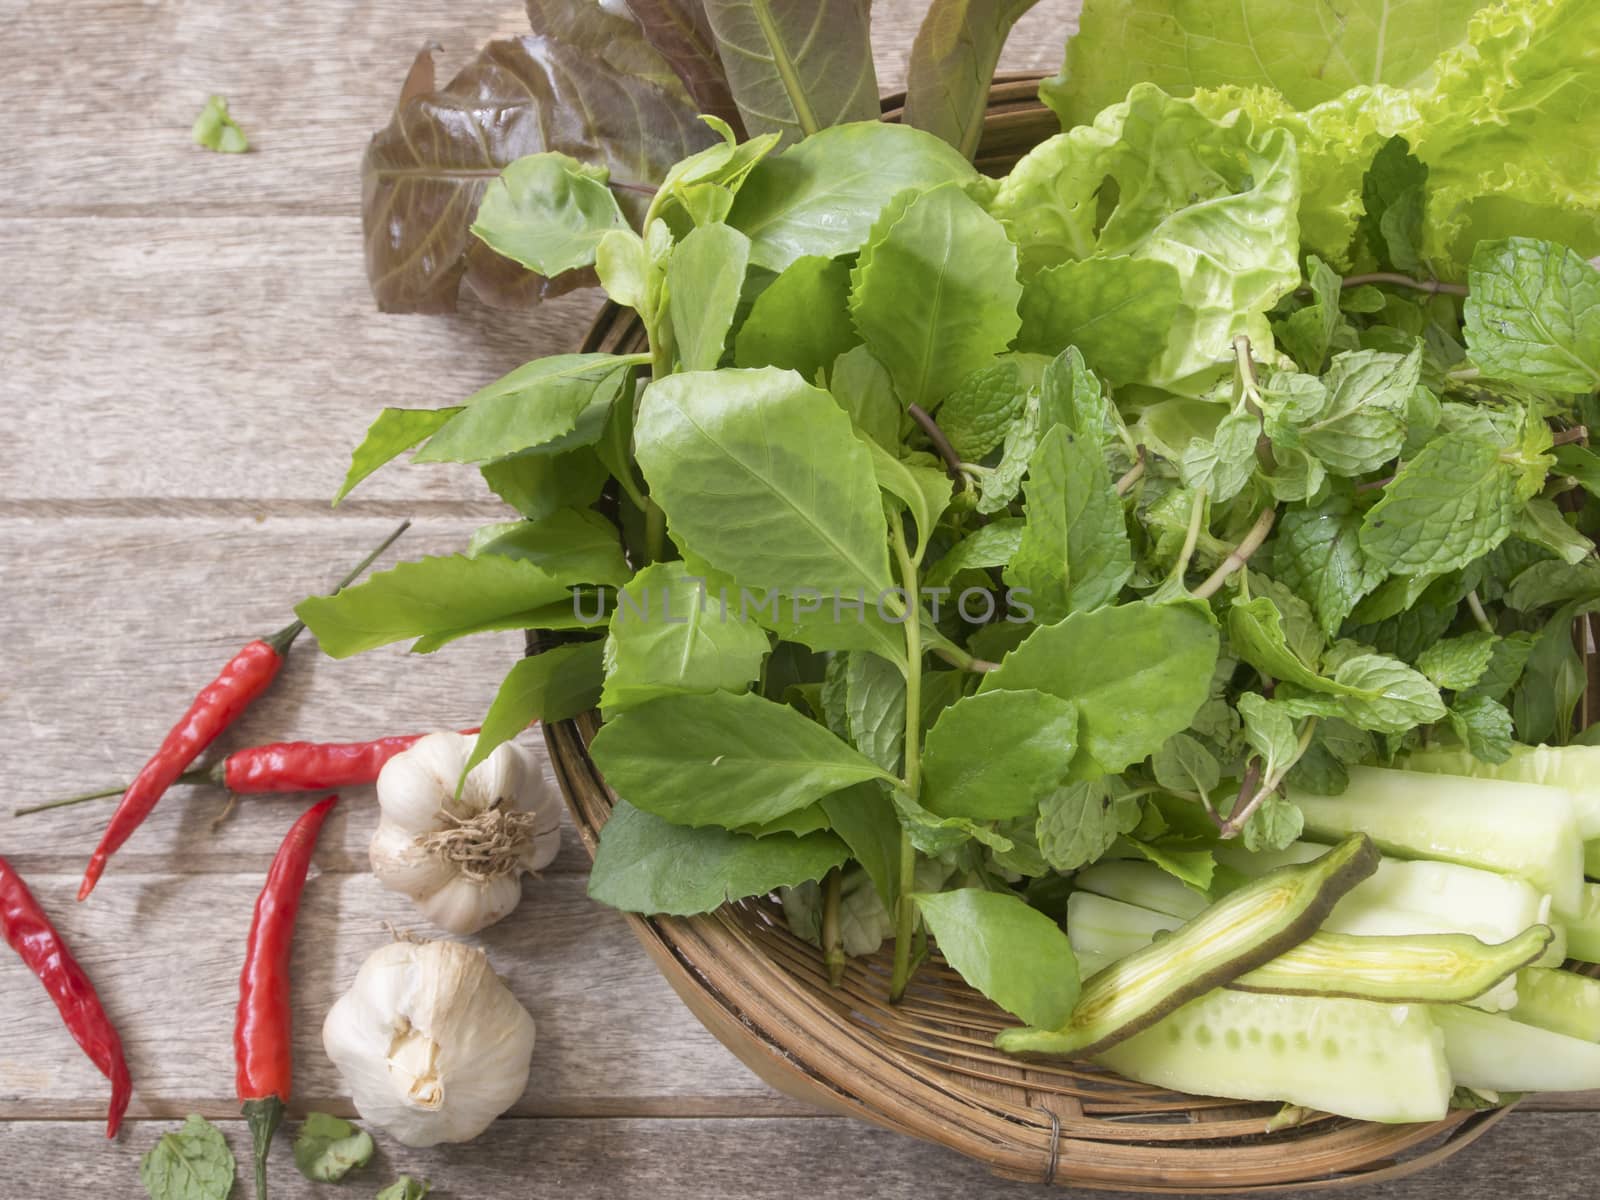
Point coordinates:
[[935, 292], [822, 196], [646, 865], [1533, 315], [328, 1148], [801, 322], [394, 432], [1453, 503], [675, 631], [992, 756], [797, 66], [451, 596], [191, 1163], [704, 276], [553, 685], [781, 454], [548, 212], [1119, 312], [1013, 954], [722, 759], [1074, 553], [572, 543], [1138, 673], [1078, 823]]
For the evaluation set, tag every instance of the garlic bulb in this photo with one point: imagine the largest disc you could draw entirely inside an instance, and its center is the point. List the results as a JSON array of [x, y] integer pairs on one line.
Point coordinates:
[[432, 1045], [462, 861]]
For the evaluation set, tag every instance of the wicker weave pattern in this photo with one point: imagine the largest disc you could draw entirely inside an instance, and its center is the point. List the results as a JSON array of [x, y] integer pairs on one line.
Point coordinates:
[[927, 1066]]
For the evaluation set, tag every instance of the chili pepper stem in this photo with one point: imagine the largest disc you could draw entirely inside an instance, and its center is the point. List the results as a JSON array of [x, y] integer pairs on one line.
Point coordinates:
[[263, 1116], [284, 638], [212, 774]]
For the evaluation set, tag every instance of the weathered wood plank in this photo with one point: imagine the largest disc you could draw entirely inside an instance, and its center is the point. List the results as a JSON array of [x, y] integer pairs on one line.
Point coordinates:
[[107, 96], [1549, 1156]]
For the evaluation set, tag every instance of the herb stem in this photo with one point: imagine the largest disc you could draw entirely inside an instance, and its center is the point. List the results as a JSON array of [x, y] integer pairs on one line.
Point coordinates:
[[962, 661], [1481, 618], [952, 460], [1578, 434], [1433, 287], [832, 945], [905, 908], [1239, 555], [1197, 510], [1133, 474], [1244, 809]]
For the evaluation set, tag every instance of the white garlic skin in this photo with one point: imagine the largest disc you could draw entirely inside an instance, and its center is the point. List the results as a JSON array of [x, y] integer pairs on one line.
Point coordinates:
[[416, 794], [430, 1042]]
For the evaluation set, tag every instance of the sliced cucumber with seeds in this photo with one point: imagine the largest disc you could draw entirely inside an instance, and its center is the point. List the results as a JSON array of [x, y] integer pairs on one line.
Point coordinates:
[[1498, 1054], [1521, 829], [1373, 1062], [1560, 1001], [1237, 934], [1440, 967]]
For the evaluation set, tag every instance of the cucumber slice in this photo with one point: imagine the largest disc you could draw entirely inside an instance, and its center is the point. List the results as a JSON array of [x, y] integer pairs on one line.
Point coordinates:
[[1560, 1001], [1105, 929], [1373, 1062], [1574, 768], [1236, 934], [1591, 859], [1583, 926], [1497, 1054], [1144, 884], [1427, 967], [1521, 829]]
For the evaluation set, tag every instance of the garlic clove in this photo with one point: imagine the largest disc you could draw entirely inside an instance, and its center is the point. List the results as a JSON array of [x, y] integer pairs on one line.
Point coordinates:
[[402, 864], [414, 784], [466, 905]]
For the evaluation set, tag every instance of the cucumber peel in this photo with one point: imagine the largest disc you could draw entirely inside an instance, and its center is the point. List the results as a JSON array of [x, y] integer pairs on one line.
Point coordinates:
[[1437, 968], [1238, 933]]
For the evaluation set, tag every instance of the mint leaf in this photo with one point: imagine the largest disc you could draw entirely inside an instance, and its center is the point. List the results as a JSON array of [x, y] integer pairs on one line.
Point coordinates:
[[1000, 486], [874, 707], [1317, 552], [405, 1188], [1484, 727], [1393, 199], [675, 631], [1505, 666], [216, 130], [437, 598], [394, 432], [935, 292], [1116, 311], [1013, 954], [1383, 694], [992, 756], [552, 403], [1453, 503], [704, 276], [1581, 465], [1078, 823], [191, 1163], [722, 759], [1184, 764], [1543, 524], [558, 683], [977, 413], [328, 1148], [1364, 423], [1224, 463], [936, 836], [991, 545], [1269, 729], [781, 454], [801, 321], [1274, 825], [548, 212], [922, 487], [1533, 316], [646, 865], [1459, 662], [1074, 552], [1309, 333], [1137, 673]]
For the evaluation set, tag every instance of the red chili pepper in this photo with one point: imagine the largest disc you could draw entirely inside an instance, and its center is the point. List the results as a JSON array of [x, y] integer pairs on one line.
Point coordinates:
[[262, 1045], [281, 767], [30, 933], [219, 704]]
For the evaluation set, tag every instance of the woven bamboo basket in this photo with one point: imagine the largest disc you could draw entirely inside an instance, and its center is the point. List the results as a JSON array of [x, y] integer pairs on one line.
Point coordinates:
[[926, 1066]]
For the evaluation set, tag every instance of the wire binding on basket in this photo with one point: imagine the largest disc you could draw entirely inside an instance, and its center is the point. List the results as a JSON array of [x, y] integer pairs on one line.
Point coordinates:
[[927, 1067]]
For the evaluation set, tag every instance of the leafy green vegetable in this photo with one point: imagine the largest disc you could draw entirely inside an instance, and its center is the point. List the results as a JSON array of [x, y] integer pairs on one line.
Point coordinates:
[[572, 543], [548, 212], [935, 292], [704, 276], [647, 865], [801, 322], [394, 432], [1013, 954], [553, 685], [1533, 317], [797, 66], [721, 759], [1451, 504], [405, 1188], [1109, 307], [215, 128], [1078, 823], [995, 755], [952, 63], [328, 1148], [191, 1163]]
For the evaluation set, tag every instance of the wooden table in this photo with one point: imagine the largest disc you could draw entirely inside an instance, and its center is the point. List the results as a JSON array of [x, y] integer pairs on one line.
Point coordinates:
[[187, 355]]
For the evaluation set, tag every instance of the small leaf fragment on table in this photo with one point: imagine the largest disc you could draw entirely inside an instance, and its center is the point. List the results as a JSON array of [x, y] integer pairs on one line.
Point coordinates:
[[216, 130], [191, 1163], [328, 1148], [406, 1188]]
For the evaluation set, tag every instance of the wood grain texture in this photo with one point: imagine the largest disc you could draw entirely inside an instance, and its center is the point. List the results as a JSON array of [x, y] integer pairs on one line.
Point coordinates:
[[1548, 1156]]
